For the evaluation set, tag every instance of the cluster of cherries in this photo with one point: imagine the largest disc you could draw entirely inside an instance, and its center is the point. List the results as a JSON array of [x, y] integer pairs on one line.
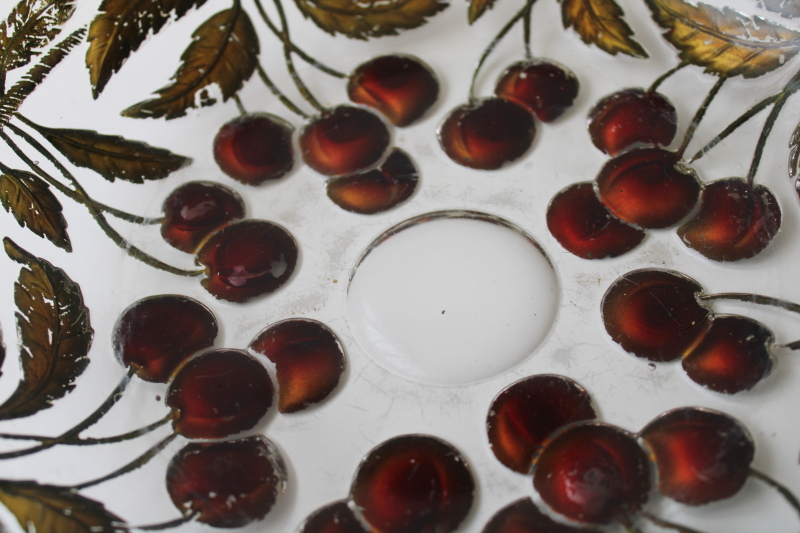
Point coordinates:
[[595, 473], [407, 484], [488, 133], [659, 315], [223, 392], [645, 186], [242, 258], [349, 144]]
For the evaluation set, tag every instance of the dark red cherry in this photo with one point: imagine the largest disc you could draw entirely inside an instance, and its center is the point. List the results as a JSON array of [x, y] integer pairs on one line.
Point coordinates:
[[584, 227], [308, 358], [654, 314], [227, 484], [197, 209], [630, 117], [247, 259], [156, 334], [523, 516], [701, 455], [333, 518], [543, 88], [487, 134], [344, 140], [648, 187], [413, 484], [219, 393], [732, 356], [735, 221], [255, 148], [525, 413], [401, 87], [593, 473], [376, 190]]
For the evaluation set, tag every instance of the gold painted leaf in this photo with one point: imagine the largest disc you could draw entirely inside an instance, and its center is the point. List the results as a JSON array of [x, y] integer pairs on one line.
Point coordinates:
[[478, 8], [786, 8], [794, 153], [10, 102], [119, 29], [601, 22], [224, 51], [55, 334], [31, 26], [113, 156], [725, 42], [49, 509], [29, 199], [361, 19]]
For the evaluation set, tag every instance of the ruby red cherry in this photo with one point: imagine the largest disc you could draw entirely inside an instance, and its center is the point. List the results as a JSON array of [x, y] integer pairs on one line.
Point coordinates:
[[344, 140], [487, 134], [156, 334], [255, 148], [376, 190], [545, 89], [247, 259], [401, 87], [523, 516], [525, 413], [219, 393], [701, 455], [227, 484], [584, 227], [333, 518], [593, 473], [195, 210], [648, 187], [735, 221], [308, 358], [732, 356], [413, 484], [654, 314], [631, 117]]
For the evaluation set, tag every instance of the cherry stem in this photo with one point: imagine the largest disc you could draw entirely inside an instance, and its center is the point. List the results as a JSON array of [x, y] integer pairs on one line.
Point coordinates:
[[660, 522], [83, 198], [499, 37], [785, 492], [133, 465], [791, 346], [626, 523], [278, 94], [128, 217], [287, 55], [791, 87], [654, 87], [753, 298], [701, 112], [87, 422], [239, 104], [526, 29], [163, 525], [295, 49], [78, 441]]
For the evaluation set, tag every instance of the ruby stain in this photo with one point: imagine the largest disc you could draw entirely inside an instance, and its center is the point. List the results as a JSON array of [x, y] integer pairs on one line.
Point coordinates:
[[376, 190], [227, 484], [701, 455], [654, 314], [584, 227], [334, 518], [523, 516], [156, 334], [309, 361], [401, 87], [195, 210], [219, 393], [413, 484], [545, 89], [525, 413], [247, 259]]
